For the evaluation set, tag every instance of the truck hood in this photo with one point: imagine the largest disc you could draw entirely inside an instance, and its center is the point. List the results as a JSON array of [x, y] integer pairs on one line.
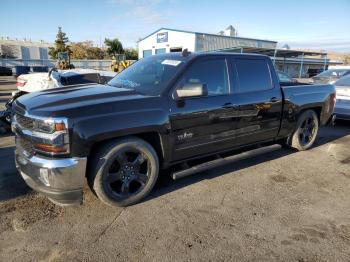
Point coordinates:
[[74, 100]]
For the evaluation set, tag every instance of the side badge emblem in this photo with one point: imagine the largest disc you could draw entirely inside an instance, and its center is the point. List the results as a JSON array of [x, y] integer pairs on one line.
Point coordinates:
[[184, 136]]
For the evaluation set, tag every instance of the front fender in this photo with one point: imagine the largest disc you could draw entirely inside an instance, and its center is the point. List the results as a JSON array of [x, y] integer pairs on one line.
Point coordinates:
[[90, 130]]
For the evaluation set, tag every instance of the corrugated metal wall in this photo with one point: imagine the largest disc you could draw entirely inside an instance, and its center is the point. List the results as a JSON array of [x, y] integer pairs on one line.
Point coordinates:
[[24, 52], [212, 42], [43, 53]]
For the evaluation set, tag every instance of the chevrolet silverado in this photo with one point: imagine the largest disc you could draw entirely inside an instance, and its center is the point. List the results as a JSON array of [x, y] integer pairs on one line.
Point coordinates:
[[171, 111]]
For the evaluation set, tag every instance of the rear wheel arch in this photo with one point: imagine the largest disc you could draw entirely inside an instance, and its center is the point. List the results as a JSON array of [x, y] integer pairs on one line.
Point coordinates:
[[316, 109], [294, 140]]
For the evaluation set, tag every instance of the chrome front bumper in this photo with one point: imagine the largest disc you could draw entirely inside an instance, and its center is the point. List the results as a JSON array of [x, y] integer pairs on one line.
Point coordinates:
[[61, 180]]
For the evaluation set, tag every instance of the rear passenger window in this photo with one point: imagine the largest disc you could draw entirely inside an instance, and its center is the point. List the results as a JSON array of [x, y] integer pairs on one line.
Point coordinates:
[[253, 75], [212, 73]]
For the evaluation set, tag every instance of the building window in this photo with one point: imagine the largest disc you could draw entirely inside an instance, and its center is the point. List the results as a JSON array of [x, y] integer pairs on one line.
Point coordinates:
[[147, 53], [160, 51], [176, 49]]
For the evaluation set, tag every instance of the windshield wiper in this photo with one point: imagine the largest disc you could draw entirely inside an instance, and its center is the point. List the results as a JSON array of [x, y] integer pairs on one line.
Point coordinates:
[[124, 86], [120, 86]]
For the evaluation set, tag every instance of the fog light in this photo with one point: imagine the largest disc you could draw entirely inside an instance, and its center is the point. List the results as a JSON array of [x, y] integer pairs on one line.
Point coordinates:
[[44, 176]]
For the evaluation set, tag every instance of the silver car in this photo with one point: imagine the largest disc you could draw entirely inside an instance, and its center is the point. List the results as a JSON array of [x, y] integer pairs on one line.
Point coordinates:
[[342, 106], [330, 76]]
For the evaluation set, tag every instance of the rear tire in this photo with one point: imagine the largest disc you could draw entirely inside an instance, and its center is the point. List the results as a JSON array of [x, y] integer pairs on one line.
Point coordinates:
[[124, 172], [305, 134]]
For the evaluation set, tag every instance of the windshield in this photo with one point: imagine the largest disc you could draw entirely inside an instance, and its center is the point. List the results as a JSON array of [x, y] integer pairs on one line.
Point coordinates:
[[334, 72], [344, 81], [150, 75]]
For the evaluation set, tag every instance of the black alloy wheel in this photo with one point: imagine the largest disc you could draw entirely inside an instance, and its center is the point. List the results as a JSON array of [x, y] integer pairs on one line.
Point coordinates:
[[306, 131], [124, 171], [128, 173]]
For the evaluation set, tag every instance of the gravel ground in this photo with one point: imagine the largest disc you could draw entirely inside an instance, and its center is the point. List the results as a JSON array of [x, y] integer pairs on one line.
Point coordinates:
[[278, 206]]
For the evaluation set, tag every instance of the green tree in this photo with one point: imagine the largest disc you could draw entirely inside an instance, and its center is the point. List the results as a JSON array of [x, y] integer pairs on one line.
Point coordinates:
[[86, 50], [114, 46], [79, 51], [7, 51], [96, 53], [60, 44], [131, 54]]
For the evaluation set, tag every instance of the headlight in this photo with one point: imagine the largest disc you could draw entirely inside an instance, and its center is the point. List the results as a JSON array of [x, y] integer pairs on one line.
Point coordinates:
[[51, 136], [49, 126]]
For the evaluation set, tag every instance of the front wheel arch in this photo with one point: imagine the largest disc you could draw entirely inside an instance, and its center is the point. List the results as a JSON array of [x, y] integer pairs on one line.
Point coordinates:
[[99, 165], [153, 138]]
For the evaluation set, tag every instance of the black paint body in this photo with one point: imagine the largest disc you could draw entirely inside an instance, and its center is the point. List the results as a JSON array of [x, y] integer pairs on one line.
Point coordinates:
[[182, 128]]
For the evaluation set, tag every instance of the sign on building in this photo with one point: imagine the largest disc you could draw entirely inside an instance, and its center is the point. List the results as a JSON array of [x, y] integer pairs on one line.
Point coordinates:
[[162, 37]]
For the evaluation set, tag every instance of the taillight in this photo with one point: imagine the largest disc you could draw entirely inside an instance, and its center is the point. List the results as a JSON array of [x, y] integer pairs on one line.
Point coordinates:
[[21, 82]]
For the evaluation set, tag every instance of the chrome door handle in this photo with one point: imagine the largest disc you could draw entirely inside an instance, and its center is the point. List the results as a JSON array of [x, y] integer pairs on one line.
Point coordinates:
[[274, 100]]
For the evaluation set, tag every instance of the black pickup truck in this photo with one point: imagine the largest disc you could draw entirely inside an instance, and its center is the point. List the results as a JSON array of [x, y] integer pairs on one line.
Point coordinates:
[[170, 111]]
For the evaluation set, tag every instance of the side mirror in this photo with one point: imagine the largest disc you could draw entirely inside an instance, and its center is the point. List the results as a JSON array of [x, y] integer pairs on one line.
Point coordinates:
[[192, 90]]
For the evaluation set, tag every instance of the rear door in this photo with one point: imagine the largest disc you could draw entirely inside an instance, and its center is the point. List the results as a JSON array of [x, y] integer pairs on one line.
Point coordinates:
[[258, 97], [202, 125]]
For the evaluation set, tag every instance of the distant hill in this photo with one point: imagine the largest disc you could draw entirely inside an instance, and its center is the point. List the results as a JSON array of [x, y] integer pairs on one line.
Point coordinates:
[[334, 56], [343, 57]]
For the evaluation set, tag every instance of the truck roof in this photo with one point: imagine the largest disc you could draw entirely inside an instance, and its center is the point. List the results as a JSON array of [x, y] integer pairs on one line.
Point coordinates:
[[227, 54], [191, 55]]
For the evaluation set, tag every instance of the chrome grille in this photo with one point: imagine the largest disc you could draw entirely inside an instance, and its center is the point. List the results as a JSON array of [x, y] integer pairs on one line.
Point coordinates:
[[24, 122], [25, 144]]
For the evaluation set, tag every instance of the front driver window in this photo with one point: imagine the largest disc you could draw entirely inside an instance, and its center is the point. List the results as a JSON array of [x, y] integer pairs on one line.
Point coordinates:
[[212, 73]]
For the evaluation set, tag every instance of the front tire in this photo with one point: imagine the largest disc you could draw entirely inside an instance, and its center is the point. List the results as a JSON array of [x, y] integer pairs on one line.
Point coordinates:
[[305, 134], [124, 172]]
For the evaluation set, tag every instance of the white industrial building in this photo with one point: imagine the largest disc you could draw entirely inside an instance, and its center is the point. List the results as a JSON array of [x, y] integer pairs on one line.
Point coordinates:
[[296, 63], [23, 49], [166, 40]]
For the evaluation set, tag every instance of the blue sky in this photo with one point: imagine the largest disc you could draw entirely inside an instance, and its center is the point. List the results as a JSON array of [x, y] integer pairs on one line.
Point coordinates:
[[302, 24]]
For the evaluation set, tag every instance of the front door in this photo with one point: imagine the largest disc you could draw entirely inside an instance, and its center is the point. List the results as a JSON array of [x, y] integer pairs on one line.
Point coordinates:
[[202, 125]]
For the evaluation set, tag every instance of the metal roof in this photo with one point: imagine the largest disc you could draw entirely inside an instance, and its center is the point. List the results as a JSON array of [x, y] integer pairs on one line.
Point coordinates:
[[193, 32], [285, 53]]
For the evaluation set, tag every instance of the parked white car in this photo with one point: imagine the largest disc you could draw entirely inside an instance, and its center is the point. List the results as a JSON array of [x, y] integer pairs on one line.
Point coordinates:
[[59, 78], [28, 83]]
